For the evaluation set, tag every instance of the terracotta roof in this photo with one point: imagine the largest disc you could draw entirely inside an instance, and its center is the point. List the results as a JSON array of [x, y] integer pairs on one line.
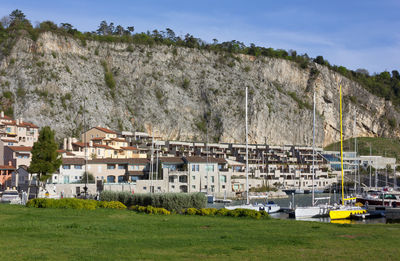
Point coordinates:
[[7, 140], [105, 130], [118, 139], [70, 153], [27, 125], [73, 161], [79, 144], [129, 148], [6, 117], [136, 173], [102, 146], [98, 138], [119, 161], [20, 148], [3, 167], [204, 160], [178, 160], [61, 151]]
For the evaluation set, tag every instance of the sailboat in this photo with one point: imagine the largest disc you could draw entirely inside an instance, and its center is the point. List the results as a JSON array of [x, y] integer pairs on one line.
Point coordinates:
[[269, 207], [314, 210], [344, 211]]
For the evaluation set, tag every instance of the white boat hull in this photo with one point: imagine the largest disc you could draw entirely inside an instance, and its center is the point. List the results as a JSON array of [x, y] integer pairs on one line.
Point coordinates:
[[269, 208], [311, 212]]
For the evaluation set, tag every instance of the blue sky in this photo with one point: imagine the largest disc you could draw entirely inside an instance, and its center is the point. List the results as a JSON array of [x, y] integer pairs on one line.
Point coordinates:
[[355, 34]]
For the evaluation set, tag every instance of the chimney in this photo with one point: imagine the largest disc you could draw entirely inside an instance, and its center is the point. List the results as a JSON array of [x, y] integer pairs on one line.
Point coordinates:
[[9, 163], [2, 114], [91, 143], [17, 122], [20, 120], [65, 144], [69, 143]]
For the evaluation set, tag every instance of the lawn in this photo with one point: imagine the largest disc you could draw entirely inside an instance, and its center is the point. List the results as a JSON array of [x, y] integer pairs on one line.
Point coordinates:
[[106, 234]]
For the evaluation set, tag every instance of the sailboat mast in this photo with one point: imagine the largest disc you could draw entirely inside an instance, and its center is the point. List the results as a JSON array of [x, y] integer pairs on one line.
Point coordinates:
[[247, 157], [313, 152], [341, 141], [355, 153]]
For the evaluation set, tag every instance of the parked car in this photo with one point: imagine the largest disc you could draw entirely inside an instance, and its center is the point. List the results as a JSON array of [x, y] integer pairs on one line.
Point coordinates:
[[10, 196]]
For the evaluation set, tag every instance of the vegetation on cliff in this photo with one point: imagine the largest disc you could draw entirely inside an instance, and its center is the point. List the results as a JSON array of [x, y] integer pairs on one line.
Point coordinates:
[[385, 84], [379, 146]]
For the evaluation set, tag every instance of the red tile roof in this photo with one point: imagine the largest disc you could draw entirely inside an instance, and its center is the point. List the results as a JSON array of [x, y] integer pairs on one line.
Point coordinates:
[[7, 140], [178, 160], [3, 167], [20, 148], [129, 148], [119, 161], [98, 138], [105, 130], [73, 161], [27, 125], [118, 139]]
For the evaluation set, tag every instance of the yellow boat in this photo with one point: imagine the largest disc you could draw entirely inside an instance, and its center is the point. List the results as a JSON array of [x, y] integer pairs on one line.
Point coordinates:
[[344, 212]]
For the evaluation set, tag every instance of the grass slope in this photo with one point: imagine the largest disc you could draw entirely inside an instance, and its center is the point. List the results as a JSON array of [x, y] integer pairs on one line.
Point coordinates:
[[379, 146], [64, 234]]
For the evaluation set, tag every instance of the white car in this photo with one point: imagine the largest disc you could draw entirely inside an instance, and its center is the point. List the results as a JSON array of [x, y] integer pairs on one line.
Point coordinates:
[[10, 196]]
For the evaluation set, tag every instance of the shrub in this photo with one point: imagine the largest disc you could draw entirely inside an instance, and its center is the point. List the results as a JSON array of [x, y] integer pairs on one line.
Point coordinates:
[[171, 201], [226, 212], [190, 211], [73, 203], [111, 204], [150, 210]]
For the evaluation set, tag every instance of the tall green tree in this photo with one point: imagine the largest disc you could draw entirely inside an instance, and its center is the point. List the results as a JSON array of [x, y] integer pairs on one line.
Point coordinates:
[[45, 159]]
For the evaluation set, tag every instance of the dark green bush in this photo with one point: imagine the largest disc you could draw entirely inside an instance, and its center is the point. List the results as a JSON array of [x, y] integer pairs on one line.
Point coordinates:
[[171, 201]]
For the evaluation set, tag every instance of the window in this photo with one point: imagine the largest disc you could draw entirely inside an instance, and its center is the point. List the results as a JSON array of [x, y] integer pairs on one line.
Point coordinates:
[[66, 166], [194, 177], [159, 188], [195, 167], [209, 167], [121, 166], [223, 178], [78, 166], [144, 188], [212, 179], [98, 152], [193, 186], [171, 179], [223, 186], [173, 186], [183, 179], [110, 166]]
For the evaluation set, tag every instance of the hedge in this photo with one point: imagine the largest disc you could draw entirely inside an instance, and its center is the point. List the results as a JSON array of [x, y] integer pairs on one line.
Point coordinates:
[[174, 202], [73, 203]]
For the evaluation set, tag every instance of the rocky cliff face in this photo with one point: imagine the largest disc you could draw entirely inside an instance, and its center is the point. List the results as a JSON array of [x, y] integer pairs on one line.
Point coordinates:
[[183, 94]]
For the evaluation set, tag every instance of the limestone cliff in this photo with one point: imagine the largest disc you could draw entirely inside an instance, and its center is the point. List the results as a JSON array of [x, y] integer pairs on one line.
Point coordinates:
[[182, 93]]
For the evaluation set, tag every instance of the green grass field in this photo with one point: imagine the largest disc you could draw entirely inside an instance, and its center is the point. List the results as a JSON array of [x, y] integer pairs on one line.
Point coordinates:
[[106, 234]]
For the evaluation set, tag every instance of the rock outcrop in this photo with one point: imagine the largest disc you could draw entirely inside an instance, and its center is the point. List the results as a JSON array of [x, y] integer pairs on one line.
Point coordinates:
[[185, 94]]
